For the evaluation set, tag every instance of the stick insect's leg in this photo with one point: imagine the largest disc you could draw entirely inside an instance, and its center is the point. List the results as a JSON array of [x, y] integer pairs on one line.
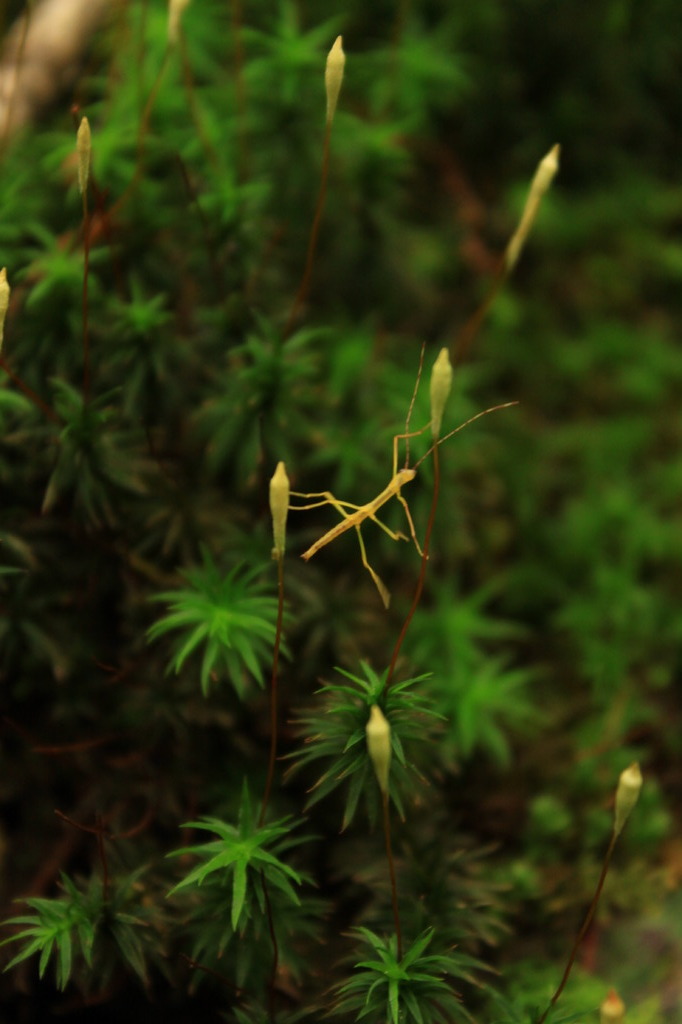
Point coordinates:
[[341, 506], [396, 439], [381, 587], [405, 437], [413, 532], [327, 499], [393, 534]]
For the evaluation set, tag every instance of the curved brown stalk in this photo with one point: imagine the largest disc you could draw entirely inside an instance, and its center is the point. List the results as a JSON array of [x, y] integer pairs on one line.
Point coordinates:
[[304, 286], [584, 927], [86, 315], [391, 871], [471, 328], [273, 691], [100, 832], [7, 126], [29, 392], [422, 569]]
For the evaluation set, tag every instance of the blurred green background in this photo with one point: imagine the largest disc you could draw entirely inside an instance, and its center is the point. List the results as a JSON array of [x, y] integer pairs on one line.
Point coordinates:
[[551, 617]]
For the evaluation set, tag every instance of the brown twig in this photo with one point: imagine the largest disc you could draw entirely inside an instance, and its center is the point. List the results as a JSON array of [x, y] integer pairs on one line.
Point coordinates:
[[15, 78], [29, 392], [273, 691], [304, 286], [391, 871], [422, 569], [99, 831], [86, 312], [584, 927]]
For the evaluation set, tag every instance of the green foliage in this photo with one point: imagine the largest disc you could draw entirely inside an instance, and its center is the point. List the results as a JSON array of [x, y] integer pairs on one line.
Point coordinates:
[[543, 654], [337, 734], [483, 698], [242, 859], [414, 988], [95, 463], [80, 930], [53, 928], [227, 617], [513, 1013]]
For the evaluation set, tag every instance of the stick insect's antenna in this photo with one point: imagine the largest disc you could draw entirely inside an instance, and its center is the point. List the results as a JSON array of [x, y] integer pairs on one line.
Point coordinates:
[[472, 419], [407, 434]]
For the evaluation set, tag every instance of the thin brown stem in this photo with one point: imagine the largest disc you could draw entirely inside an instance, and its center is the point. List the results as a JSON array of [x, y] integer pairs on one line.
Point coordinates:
[[397, 34], [273, 691], [471, 328], [391, 871], [583, 929], [216, 269], [197, 966], [237, 24], [97, 830], [12, 92], [29, 392], [410, 410], [422, 569], [143, 131], [103, 858], [304, 286], [148, 109], [188, 81], [275, 951], [86, 315]]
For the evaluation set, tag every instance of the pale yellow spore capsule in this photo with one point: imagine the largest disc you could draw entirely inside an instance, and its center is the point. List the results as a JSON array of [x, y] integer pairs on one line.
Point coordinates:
[[333, 76], [4, 302], [279, 507], [627, 794], [175, 12], [379, 746], [84, 150], [441, 383], [544, 175], [612, 1010]]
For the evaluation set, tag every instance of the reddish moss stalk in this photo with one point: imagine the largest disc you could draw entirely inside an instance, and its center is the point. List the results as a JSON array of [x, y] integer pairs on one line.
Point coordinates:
[[304, 286], [86, 312], [391, 871], [583, 929], [273, 691], [29, 392], [422, 570]]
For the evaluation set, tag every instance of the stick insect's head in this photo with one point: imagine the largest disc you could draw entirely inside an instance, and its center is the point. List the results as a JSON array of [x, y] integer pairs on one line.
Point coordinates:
[[404, 475]]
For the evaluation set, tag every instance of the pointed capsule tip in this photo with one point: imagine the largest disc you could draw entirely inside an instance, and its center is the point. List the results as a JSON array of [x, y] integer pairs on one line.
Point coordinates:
[[333, 76]]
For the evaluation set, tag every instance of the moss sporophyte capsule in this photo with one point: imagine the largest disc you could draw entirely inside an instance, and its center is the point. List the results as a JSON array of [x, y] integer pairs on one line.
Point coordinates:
[[333, 76], [279, 507], [84, 150], [4, 302], [612, 1010], [627, 794], [441, 383], [379, 745]]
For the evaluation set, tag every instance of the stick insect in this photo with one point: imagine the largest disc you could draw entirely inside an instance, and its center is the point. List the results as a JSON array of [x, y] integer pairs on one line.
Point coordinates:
[[353, 516]]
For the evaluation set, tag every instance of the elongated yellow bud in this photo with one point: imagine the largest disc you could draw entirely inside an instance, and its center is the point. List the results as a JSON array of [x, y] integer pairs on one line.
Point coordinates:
[[175, 11], [543, 178], [627, 794], [279, 507], [4, 302], [379, 746], [441, 382], [333, 76], [612, 1010], [84, 150]]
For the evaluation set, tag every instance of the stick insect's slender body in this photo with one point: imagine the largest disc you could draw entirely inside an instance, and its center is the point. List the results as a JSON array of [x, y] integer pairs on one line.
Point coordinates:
[[362, 512], [353, 516]]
